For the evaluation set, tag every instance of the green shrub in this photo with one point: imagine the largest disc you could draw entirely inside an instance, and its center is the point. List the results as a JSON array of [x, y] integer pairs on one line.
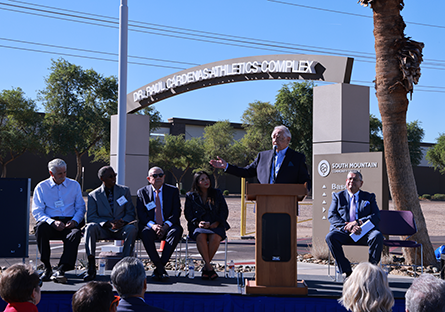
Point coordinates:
[[183, 192], [438, 197], [425, 196], [226, 192]]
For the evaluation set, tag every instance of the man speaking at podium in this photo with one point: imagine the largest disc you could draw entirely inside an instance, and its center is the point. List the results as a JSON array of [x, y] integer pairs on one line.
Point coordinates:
[[278, 165]]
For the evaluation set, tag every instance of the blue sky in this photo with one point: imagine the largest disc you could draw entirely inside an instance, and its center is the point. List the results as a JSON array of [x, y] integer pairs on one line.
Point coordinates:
[[297, 24]]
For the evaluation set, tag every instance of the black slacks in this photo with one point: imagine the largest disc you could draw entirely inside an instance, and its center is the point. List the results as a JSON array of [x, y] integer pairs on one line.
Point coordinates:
[[70, 237]]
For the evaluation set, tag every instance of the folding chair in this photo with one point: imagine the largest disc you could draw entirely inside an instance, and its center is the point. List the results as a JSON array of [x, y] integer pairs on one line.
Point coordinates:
[[401, 223], [189, 258]]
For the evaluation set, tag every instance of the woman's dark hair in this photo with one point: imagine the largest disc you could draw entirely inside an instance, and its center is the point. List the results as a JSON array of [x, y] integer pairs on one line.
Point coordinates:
[[18, 282], [94, 296], [195, 186]]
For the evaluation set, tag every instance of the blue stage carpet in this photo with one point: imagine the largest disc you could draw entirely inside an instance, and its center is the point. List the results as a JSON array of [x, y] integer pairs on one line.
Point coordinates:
[[181, 302]]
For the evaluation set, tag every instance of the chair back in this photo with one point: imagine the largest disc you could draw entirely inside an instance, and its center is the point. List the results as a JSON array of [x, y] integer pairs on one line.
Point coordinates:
[[397, 222]]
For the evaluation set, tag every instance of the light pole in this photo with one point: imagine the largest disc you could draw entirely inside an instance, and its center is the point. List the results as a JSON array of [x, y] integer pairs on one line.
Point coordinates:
[[122, 91]]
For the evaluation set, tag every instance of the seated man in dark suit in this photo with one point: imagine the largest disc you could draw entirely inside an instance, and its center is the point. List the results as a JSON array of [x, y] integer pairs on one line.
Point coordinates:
[[279, 165], [129, 279], [349, 209], [110, 214], [159, 209]]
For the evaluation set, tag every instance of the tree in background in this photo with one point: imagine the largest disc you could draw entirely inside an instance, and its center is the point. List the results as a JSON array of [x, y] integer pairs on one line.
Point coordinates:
[[415, 136], [155, 116], [177, 153], [414, 132], [398, 61], [20, 126], [375, 137], [436, 154], [294, 101], [78, 105], [259, 120], [219, 141]]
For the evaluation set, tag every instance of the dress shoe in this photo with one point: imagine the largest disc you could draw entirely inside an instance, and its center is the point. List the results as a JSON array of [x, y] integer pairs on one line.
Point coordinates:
[[89, 275], [156, 276], [46, 275], [59, 277], [163, 274]]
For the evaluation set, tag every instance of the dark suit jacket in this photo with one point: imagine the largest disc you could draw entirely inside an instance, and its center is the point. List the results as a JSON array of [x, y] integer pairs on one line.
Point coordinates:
[[339, 209], [99, 210], [171, 205], [292, 170], [133, 304]]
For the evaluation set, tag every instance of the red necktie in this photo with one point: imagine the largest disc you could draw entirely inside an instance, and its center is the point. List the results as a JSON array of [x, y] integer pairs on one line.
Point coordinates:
[[158, 210]]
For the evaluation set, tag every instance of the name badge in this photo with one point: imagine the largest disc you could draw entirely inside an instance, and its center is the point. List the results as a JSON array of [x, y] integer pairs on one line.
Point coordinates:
[[122, 200], [59, 204], [150, 205]]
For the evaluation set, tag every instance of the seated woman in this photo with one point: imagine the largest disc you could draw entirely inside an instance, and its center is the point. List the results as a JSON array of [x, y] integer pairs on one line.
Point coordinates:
[[206, 212], [20, 288], [367, 290]]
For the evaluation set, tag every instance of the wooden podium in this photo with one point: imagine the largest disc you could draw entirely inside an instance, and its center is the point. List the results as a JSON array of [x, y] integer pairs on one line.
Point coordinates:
[[276, 239]]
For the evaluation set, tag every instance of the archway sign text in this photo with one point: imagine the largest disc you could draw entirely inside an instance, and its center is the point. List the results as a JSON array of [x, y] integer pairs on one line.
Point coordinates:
[[282, 66]]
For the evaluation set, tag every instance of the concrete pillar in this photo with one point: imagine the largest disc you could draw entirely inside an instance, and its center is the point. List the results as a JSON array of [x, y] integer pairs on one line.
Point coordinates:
[[136, 156], [341, 119]]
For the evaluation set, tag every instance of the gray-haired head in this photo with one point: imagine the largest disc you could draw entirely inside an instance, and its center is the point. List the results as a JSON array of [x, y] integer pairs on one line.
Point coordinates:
[[285, 130], [56, 163], [102, 171], [356, 172], [128, 277], [153, 169], [426, 294]]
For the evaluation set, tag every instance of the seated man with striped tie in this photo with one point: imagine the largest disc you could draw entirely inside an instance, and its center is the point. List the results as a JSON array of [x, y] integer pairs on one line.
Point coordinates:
[[110, 215], [278, 165], [349, 209], [159, 209]]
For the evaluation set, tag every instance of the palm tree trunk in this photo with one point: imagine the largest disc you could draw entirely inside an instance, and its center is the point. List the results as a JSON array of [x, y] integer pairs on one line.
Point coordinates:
[[391, 93]]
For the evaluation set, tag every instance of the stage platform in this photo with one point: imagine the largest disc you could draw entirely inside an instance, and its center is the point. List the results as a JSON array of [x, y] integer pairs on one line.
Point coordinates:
[[224, 294]]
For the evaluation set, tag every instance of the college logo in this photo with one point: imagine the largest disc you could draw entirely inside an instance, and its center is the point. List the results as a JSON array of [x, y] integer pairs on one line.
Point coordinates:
[[324, 168]]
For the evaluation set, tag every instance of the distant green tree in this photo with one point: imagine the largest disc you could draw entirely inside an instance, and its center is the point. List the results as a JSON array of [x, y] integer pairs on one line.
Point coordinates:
[[414, 132], [294, 101], [218, 141], [20, 126], [259, 120], [155, 116], [436, 154], [375, 136], [78, 105], [415, 137]]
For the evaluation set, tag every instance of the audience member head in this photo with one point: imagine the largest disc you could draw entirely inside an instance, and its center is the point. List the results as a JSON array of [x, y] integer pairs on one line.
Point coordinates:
[[128, 277], [156, 177], [20, 283], [367, 290], [95, 296], [107, 175], [281, 137], [426, 294], [57, 170]]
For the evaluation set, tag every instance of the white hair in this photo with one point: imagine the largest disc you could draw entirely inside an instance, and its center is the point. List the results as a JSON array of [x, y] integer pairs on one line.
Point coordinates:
[[284, 129], [56, 163], [367, 290]]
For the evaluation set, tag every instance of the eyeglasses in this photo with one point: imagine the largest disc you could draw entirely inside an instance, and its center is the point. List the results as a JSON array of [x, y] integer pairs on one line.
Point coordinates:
[[157, 175], [113, 175], [115, 301]]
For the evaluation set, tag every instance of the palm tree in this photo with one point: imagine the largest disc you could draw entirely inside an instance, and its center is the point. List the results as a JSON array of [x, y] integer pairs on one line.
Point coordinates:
[[398, 61]]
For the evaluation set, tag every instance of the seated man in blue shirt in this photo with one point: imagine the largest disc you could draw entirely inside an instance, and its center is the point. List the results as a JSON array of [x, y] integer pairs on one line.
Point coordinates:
[[59, 209]]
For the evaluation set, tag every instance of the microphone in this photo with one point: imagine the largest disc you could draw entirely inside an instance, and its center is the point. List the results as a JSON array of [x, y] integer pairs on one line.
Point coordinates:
[[275, 149]]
